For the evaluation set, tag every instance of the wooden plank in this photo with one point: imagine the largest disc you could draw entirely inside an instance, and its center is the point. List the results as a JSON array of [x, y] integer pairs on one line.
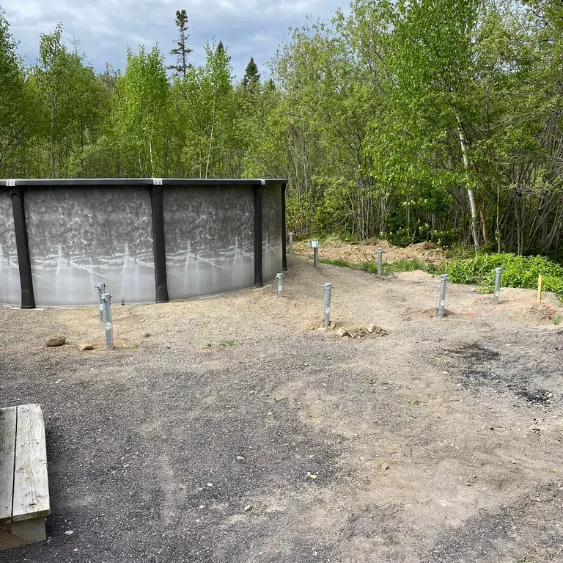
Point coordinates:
[[7, 540], [17, 534], [31, 487], [7, 447]]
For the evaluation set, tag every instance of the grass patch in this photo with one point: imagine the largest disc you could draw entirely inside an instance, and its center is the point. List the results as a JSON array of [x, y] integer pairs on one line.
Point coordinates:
[[404, 265], [340, 263], [388, 268], [519, 271]]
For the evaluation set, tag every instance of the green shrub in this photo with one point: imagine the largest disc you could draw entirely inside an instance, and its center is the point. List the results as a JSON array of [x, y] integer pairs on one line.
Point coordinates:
[[519, 271]]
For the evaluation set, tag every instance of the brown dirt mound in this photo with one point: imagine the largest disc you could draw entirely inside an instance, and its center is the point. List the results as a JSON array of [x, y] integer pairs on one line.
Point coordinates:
[[360, 253]]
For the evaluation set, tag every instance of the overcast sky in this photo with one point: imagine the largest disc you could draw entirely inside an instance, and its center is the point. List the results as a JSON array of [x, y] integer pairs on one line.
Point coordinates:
[[248, 28]]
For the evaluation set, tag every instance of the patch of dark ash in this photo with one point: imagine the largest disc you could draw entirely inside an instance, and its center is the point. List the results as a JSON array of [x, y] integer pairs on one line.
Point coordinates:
[[478, 366], [536, 396]]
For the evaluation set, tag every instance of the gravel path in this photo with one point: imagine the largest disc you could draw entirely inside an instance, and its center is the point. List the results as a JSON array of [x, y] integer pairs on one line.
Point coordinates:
[[235, 433]]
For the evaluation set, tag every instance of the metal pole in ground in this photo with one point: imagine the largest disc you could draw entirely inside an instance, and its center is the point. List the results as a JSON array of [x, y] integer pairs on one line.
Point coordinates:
[[315, 245], [101, 287], [328, 287], [498, 276], [442, 306], [279, 277], [290, 242], [379, 261], [107, 319]]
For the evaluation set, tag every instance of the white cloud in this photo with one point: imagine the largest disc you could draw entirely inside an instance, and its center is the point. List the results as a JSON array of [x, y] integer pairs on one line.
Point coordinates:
[[105, 28]]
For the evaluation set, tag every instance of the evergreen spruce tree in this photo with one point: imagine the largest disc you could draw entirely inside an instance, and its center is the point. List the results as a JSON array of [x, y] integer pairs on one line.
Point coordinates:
[[182, 50], [251, 75], [220, 50]]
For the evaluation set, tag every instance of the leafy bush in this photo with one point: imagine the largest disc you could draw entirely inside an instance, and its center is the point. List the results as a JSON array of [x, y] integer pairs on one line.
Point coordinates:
[[519, 271]]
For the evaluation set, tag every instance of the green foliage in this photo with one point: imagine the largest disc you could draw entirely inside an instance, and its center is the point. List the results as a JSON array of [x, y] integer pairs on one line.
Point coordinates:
[[142, 113], [19, 108], [383, 120], [519, 271]]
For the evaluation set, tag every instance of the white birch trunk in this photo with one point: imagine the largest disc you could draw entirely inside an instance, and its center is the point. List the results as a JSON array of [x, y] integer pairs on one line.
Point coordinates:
[[470, 192]]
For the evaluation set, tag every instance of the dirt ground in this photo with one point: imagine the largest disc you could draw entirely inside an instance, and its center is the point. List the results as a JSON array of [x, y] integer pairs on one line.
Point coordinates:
[[366, 251], [235, 433]]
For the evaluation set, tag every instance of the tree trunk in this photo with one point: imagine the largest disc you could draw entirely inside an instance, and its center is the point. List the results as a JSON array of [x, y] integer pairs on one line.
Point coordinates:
[[470, 192]]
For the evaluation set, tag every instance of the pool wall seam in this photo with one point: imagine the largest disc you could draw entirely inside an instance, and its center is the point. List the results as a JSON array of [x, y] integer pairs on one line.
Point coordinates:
[[258, 273], [283, 233], [22, 246], [159, 243]]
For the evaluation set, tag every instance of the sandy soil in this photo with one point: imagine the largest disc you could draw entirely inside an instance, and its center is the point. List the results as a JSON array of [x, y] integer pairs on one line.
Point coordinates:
[[362, 252], [235, 433]]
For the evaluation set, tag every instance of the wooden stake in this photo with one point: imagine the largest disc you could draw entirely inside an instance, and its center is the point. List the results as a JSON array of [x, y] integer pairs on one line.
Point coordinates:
[[540, 281]]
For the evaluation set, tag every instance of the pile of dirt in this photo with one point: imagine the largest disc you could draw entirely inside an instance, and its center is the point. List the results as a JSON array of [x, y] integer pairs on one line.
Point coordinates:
[[366, 251], [352, 331]]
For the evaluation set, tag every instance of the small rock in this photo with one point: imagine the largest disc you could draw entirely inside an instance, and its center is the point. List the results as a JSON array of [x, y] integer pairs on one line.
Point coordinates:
[[248, 508], [86, 346], [385, 467], [146, 334], [342, 332], [322, 329], [69, 532], [371, 328], [332, 324], [167, 346], [210, 484], [240, 458], [55, 341]]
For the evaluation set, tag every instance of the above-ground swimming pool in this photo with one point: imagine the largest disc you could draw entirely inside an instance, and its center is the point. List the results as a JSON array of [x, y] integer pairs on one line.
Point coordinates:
[[148, 239]]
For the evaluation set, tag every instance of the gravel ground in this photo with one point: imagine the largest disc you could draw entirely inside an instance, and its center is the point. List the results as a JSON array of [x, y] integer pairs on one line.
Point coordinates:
[[235, 433]]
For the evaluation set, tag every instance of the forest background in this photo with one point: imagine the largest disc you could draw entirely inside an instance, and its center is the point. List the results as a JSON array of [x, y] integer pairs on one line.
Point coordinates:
[[409, 120]]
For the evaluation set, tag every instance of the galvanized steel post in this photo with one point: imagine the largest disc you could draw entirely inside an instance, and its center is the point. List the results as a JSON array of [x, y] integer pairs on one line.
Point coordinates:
[[290, 242], [498, 276], [379, 261], [442, 306], [315, 246], [108, 323], [279, 277], [101, 287], [328, 287]]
